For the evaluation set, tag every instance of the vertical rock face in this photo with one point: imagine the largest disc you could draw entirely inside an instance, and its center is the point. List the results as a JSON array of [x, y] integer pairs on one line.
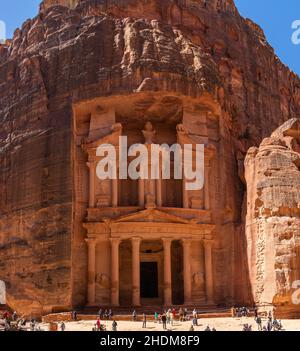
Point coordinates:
[[273, 216], [232, 87]]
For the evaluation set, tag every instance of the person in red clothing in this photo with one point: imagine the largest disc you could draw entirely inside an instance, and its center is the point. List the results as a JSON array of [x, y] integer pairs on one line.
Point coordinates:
[[174, 313], [98, 324]]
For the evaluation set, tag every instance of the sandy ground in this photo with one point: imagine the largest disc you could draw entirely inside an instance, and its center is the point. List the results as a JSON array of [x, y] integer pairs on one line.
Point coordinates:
[[220, 324]]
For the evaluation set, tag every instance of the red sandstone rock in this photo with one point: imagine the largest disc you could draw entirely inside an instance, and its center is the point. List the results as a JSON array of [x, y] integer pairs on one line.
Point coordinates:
[[273, 211], [210, 68]]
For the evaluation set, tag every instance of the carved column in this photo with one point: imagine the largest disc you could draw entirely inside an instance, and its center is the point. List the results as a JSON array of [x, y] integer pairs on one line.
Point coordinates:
[[115, 244], [206, 188], [208, 271], [92, 176], [167, 242], [159, 192], [114, 192], [136, 293], [185, 194], [91, 271], [141, 192], [187, 280]]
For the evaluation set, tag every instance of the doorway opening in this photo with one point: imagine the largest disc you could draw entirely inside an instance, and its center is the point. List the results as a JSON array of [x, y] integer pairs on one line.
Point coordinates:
[[149, 280]]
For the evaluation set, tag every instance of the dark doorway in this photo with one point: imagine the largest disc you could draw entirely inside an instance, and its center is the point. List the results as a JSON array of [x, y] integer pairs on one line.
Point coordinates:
[[177, 273], [149, 280]]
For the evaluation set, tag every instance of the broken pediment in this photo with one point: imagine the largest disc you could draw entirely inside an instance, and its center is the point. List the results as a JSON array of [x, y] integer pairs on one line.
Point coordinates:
[[153, 215]]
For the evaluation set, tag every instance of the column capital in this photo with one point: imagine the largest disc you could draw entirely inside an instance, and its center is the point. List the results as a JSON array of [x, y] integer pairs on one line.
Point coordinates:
[[115, 241], [167, 240], [208, 242], [91, 164], [91, 241], [136, 239], [186, 241]]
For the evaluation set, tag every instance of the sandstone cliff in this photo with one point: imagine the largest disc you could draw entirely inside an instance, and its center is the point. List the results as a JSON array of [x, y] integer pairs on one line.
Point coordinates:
[[74, 51], [273, 217]]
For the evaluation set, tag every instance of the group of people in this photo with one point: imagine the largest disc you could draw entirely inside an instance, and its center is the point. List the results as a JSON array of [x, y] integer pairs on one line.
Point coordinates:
[[14, 322], [272, 323], [240, 312], [169, 316]]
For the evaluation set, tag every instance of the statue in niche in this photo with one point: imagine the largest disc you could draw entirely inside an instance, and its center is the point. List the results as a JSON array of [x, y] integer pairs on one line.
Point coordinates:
[[117, 127], [198, 279], [149, 133], [181, 129], [150, 202], [103, 280]]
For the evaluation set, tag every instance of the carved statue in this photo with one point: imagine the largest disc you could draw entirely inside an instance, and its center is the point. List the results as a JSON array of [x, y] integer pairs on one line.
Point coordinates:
[[198, 279], [149, 133], [150, 201], [103, 280], [117, 127]]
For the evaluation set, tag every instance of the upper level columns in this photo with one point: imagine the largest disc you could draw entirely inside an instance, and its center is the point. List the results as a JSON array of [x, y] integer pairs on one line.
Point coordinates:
[[115, 280], [92, 177], [206, 187]]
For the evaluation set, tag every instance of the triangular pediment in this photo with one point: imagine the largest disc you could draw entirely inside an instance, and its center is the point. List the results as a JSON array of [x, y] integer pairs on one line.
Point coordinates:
[[152, 215]]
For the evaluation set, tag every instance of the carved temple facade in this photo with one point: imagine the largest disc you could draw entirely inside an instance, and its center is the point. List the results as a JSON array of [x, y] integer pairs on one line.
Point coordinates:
[[149, 242]]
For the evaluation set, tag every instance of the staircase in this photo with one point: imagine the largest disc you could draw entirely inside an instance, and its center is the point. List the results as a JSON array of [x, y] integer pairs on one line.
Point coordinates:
[[203, 310]]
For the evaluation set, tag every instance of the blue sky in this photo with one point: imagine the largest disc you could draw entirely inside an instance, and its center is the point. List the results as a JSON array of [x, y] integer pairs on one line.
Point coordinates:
[[274, 16]]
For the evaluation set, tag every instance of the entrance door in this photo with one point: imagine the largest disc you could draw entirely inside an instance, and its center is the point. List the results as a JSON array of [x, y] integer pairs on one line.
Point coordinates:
[[149, 280]]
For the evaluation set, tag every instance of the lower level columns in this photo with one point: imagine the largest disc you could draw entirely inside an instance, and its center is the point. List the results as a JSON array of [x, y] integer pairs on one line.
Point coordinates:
[[115, 281], [187, 281], [167, 242], [91, 271], [208, 271], [136, 290]]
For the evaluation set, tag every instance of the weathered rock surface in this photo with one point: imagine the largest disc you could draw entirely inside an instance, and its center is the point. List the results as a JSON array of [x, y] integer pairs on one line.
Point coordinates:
[[273, 217], [75, 51]]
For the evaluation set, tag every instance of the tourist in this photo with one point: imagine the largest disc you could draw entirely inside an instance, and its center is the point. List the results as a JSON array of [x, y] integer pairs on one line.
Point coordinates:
[[134, 315], [269, 325], [259, 323], [270, 316], [214, 329], [110, 314], [114, 326], [98, 324], [174, 313], [181, 314], [156, 317], [171, 318], [159, 318], [144, 321], [233, 312], [100, 313], [207, 329], [195, 321], [164, 321], [247, 328], [62, 326], [74, 316], [192, 329], [14, 316], [168, 316], [106, 314], [255, 313], [185, 314]]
